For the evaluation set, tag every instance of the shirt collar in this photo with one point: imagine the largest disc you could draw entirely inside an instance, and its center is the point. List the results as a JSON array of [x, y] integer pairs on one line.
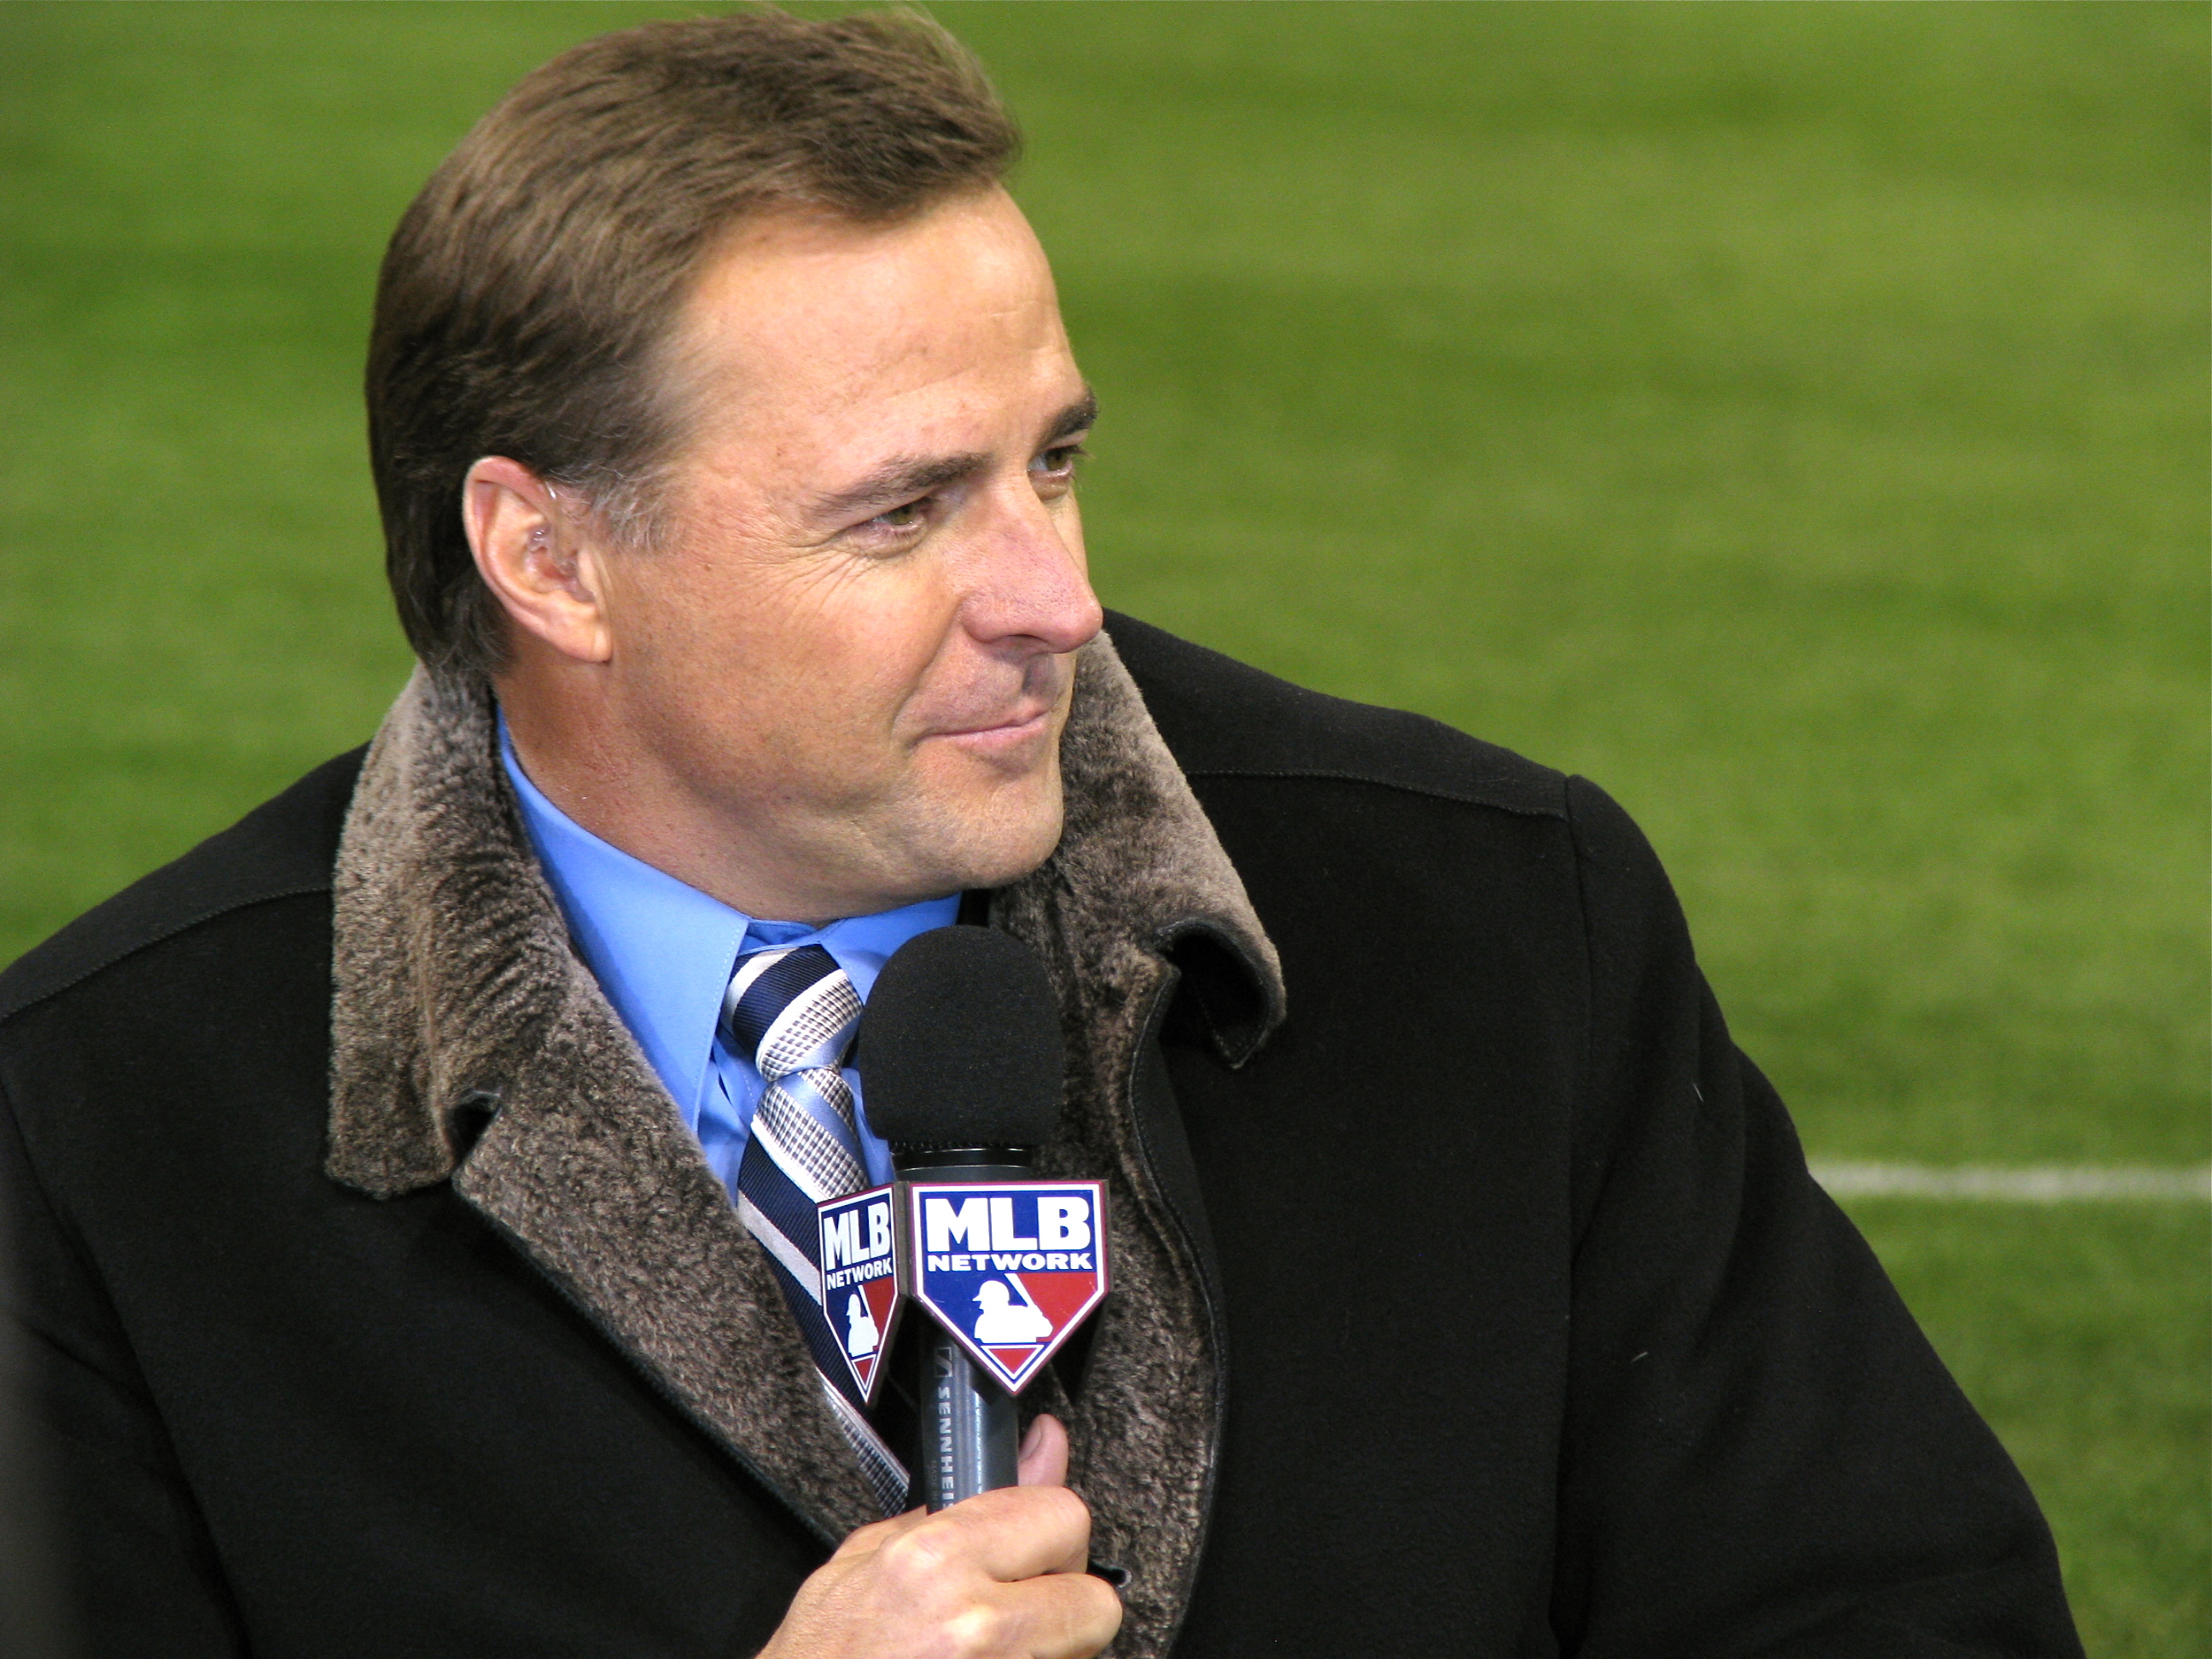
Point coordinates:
[[663, 950]]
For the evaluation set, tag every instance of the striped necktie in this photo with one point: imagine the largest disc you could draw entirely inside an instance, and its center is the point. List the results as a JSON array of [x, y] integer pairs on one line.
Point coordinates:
[[793, 1012]]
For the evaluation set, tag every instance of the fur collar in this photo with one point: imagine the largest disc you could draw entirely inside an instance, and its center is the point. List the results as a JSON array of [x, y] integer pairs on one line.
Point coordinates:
[[470, 1045]]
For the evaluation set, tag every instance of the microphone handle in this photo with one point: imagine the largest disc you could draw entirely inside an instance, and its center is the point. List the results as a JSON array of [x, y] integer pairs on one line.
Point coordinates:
[[968, 1439], [967, 1435]]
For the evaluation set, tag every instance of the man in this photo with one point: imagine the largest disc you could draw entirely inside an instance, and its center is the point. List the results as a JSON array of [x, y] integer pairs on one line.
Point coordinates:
[[398, 1175]]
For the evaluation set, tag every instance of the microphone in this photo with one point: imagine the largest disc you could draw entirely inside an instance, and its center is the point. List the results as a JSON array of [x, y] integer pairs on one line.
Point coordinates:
[[960, 1060]]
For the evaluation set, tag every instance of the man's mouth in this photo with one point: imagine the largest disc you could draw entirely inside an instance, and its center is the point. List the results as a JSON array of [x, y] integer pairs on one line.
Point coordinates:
[[1023, 722]]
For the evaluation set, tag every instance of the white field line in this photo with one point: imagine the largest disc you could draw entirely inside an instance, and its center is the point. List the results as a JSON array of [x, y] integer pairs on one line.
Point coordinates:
[[2060, 1183]]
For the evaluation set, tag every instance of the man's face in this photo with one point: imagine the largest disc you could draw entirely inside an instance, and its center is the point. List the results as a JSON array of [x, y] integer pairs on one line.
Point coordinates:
[[853, 652]]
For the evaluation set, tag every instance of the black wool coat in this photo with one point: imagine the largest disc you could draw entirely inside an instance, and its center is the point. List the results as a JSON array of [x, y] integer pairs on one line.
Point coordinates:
[[1475, 1298]]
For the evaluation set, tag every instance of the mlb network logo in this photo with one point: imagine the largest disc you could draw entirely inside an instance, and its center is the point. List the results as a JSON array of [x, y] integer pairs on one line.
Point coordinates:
[[1009, 1268], [859, 1281]]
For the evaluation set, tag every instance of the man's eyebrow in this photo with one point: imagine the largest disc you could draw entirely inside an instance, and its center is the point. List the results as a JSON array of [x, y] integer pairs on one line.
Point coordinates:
[[903, 477], [900, 479], [1078, 416]]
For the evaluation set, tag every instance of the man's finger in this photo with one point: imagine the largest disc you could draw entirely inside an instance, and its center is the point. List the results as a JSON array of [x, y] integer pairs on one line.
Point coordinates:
[[1013, 1534], [1044, 1454], [1060, 1615]]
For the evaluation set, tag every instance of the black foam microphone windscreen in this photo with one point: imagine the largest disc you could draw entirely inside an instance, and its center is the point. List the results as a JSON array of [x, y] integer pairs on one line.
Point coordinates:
[[960, 1045]]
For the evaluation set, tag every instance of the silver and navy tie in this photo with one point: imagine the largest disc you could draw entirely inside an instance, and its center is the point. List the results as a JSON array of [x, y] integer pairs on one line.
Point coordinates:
[[793, 1013]]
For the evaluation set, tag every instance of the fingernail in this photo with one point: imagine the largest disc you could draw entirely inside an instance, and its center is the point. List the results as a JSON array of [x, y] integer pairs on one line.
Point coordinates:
[[1030, 1435]]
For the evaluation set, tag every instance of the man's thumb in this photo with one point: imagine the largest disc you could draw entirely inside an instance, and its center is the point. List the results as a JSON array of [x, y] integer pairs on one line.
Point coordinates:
[[1044, 1454]]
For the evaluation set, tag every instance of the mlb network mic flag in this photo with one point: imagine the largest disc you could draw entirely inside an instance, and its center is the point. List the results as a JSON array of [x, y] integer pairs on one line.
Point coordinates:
[[1010, 1267], [859, 1281]]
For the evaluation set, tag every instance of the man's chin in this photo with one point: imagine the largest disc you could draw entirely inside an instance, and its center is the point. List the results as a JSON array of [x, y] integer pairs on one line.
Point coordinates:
[[1002, 865], [998, 846]]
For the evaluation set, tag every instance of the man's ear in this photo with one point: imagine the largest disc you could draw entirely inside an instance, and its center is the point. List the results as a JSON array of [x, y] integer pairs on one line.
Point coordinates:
[[534, 554]]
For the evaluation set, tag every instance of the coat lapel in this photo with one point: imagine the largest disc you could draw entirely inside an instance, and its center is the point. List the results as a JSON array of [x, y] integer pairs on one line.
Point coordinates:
[[1138, 881], [587, 1169], [456, 993]]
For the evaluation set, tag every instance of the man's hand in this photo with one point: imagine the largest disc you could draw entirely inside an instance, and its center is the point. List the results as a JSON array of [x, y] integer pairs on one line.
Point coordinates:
[[1000, 1576]]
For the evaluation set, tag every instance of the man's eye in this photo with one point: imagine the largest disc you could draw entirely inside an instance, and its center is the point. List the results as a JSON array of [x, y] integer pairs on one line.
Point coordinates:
[[905, 516], [1060, 457]]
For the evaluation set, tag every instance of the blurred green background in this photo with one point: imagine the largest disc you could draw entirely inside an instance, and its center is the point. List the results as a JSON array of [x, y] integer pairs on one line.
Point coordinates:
[[1792, 414]]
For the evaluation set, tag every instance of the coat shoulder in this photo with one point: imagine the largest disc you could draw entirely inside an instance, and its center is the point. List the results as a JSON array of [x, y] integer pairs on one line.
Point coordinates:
[[283, 849], [1223, 719]]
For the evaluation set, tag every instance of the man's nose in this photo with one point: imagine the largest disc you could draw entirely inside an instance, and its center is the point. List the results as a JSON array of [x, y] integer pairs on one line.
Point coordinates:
[[1027, 580]]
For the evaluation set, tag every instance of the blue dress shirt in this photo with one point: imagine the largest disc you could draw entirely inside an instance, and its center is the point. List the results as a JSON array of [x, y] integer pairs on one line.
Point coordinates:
[[663, 952]]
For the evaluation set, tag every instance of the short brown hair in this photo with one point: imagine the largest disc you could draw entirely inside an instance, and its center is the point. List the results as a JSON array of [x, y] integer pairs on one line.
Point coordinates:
[[526, 288]]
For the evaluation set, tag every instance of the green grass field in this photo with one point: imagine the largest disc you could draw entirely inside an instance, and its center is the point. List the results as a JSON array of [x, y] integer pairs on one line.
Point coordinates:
[[1792, 414]]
